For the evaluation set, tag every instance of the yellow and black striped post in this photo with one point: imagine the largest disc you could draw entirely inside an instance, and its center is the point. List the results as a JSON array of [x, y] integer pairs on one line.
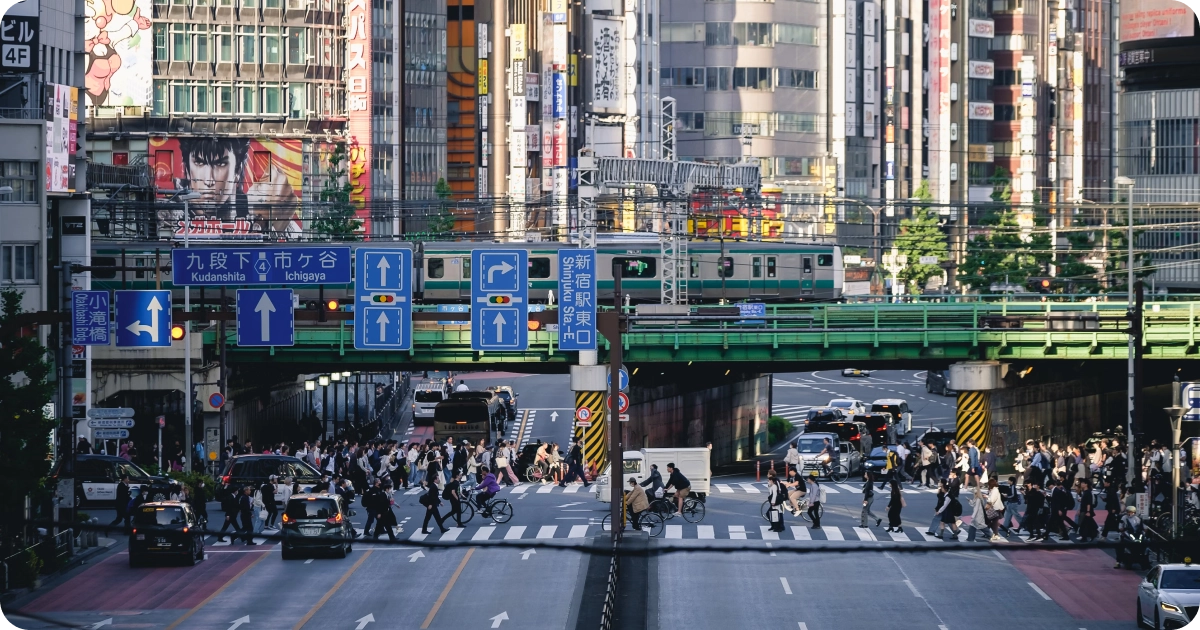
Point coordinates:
[[595, 437], [974, 416]]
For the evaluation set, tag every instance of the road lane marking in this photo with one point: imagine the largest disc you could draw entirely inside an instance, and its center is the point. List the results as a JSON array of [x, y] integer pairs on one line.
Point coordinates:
[[908, 581], [801, 533], [723, 488], [772, 553], [749, 487], [452, 534], [515, 532], [217, 592], [912, 588], [864, 533], [1039, 591], [573, 488], [484, 533], [833, 533], [547, 531], [846, 486], [446, 591], [787, 589], [321, 602], [546, 488], [767, 534], [1000, 555], [309, 561], [418, 536], [900, 536], [737, 532], [520, 489], [577, 531], [829, 489], [705, 532], [674, 531]]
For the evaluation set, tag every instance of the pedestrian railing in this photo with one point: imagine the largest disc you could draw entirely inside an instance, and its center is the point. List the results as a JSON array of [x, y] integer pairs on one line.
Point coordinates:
[[608, 612]]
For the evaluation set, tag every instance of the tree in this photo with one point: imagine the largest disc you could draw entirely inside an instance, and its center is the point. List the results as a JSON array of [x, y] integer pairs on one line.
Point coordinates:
[[339, 220], [25, 388], [442, 220], [1008, 251], [921, 235]]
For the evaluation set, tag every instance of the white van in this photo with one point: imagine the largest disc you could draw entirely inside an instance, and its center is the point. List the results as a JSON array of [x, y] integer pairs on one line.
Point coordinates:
[[426, 397], [692, 462]]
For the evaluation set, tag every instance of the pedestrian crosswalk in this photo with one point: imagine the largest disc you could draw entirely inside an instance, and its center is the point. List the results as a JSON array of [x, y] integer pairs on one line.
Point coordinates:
[[715, 488], [795, 414], [505, 532]]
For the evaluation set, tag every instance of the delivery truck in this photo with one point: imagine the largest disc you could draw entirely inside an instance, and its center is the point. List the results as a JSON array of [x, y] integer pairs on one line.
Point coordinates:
[[692, 462]]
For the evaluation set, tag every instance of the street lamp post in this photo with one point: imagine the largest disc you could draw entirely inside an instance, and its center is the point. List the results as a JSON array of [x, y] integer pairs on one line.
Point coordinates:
[[1127, 184], [895, 263], [324, 382], [187, 342], [1176, 414]]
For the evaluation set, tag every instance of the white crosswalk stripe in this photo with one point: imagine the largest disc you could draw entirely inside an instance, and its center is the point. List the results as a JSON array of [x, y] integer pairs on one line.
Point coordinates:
[[801, 533], [452, 534], [834, 533], [737, 532], [545, 489], [723, 487], [749, 487], [674, 531], [767, 534], [484, 533], [705, 532], [572, 488], [547, 531], [578, 531], [864, 533], [515, 532]]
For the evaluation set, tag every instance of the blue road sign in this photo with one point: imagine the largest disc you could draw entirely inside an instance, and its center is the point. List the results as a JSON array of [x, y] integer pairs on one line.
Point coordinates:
[[90, 318], [1191, 402], [577, 299], [622, 379], [499, 299], [752, 309], [215, 266], [452, 308], [143, 319], [264, 317], [383, 298]]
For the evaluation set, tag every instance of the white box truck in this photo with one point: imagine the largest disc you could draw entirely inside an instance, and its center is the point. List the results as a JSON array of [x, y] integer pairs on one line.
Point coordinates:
[[692, 462]]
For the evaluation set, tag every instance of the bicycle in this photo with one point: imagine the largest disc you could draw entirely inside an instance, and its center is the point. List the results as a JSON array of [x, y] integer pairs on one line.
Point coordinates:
[[650, 521], [838, 475], [693, 508], [539, 471], [499, 510], [802, 502]]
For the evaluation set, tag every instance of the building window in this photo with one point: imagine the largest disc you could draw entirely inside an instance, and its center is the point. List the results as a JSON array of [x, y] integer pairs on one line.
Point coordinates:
[[794, 78], [295, 42], [682, 31], [752, 78], [160, 98], [979, 131], [979, 90], [1006, 112], [249, 45], [201, 43], [248, 100], [18, 263], [718, 34], [272, 53], [160, 42], [224, 45], [798, 166], [224, 99], [796, 123], [181, 98], [297, 103], [980, 47], [1005, 77], [752, 34], [717, 79], [795, 34], [181, 43], [272, 4], [21, 176], [203, 99], [271, 100], [690, 121], [682, 77]]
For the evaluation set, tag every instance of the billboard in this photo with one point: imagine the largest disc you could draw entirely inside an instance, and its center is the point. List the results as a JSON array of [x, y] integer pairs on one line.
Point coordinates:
[[358, 107], [608, 66], [1155, 19], [120, 52], [248, 187], [59, 145]]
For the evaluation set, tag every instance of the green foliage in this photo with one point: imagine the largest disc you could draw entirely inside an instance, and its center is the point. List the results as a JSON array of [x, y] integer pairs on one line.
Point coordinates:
[[25, 568], [1008, 251], [25, 388], [192, 479], [921, 235], [441, 221], [778, 428], [338, 220]]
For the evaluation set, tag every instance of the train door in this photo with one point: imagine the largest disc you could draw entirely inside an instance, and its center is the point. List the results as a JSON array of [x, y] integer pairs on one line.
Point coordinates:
[[806, 275], [764, 276], [464, 284]]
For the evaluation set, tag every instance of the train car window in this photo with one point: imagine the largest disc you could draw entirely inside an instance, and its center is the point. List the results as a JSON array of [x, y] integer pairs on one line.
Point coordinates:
[[539, 267], [640, 267], [756, 267], [771, 270], [695, 268], [466, 267], [808, 264], [824, 260], [437, 268], [725, 267], [103, 262]]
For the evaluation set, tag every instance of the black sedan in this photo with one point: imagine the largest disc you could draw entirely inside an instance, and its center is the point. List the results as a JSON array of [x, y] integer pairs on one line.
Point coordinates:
[[165, 529]]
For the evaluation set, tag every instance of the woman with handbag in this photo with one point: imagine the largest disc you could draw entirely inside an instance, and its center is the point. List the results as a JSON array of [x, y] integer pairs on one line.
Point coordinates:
[[993, 509], [815, 497], [937, 509], [951, 508], [895, 504], [775, 497], [1087, 527]]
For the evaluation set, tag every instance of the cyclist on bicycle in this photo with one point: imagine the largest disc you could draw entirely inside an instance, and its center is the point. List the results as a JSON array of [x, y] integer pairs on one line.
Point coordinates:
[[636, 503], [680, 484], [796, 490], [654, 481], [489, 488], [829, 457]]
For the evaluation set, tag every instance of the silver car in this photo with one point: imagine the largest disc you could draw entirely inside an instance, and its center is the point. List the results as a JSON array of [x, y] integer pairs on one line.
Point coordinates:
[[1169, 596]]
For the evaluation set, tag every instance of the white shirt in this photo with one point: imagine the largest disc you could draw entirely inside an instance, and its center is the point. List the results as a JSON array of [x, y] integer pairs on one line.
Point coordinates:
[[462, 387]]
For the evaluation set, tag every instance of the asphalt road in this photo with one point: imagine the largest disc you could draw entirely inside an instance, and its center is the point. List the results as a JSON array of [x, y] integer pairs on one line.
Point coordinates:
[[723, 572]]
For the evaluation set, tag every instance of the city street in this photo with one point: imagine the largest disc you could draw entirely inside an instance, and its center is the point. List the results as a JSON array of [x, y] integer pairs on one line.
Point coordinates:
[[726, 571]]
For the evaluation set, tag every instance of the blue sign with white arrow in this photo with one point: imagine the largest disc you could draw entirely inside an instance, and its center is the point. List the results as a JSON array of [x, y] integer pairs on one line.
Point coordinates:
[[499, 299], [264, 317], [143, 319], [215, 266], [383, 298]]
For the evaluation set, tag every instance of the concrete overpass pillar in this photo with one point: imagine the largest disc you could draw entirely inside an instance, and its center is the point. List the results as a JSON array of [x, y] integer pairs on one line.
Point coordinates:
[[590, 383], [974, 382]]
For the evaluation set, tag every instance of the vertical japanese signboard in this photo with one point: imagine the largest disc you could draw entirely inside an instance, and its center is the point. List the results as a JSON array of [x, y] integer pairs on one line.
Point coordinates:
[[607, 72], [358, 106], [577, 299]]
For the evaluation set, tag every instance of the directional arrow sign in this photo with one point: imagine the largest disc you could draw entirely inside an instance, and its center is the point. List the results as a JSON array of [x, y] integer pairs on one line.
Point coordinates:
[[499, 618], [264, 317], [553, 416], [239, 621], [98, 413], [110, 434], [111, 423], [141, 322], [382, 267], [383, 298], [500, 299], [363, 621], [101, 624], [412, 557], [528, 552], [500, 321], [502, 268]]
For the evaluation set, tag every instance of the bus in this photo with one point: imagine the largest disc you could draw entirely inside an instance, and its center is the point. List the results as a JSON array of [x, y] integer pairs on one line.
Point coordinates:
[[466, 419]]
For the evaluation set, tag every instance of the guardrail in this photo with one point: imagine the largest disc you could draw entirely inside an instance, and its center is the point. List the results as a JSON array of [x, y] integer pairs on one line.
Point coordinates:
[[608, 611]]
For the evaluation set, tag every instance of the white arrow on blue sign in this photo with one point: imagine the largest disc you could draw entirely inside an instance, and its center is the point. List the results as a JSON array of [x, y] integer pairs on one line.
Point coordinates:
[[110, 434], [112, 423], [143, 319], [383, 298], [264, 318], [622, 380], [500, 299]]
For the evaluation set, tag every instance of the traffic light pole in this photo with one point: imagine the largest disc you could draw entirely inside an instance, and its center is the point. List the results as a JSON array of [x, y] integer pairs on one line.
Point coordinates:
[[609, 324], [188, 455]]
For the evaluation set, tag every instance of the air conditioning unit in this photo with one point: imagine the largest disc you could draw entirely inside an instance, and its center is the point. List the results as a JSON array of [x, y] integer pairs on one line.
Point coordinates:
[[953, 92], [953, 171], [954, 51], [953, 132]]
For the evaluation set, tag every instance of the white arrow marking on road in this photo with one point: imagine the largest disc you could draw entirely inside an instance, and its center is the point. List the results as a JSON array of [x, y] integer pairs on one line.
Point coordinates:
[[525, 555], [265, 307], [383, 321], [137, 328], [567, 505], [101, 624], [499, 618], [362, 622], [553, 416], [503, 267], [383, 266], [238, 622], [412, 557], [499, 322]]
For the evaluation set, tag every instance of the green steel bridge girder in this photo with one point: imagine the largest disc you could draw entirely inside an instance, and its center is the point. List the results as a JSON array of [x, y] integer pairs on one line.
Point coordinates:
[[808, 334]]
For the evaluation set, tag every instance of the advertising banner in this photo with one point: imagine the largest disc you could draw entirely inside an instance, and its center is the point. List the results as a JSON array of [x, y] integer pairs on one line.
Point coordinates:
[[120, 52], [248, 187], [604, 86], [1155, 19], [358, 106], [58, 138]]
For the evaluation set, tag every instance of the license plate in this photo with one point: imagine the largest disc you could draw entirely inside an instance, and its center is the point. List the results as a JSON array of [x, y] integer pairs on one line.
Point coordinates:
[[311, 531], [161, 542], [141, 537]]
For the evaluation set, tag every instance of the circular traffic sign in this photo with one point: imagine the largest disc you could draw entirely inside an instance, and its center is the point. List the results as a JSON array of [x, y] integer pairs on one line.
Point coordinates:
[[622, 381], [216, 401], [583, 414], [622, 400], [162, 421]]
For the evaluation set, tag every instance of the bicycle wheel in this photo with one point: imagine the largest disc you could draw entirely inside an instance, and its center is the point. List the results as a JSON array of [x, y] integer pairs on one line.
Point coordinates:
[[502, 512], [693, 510], [653, 524], [804, 511], [839, 475], [533, 474], [467, 511], [663, 508], [606, 523], [766, 508]]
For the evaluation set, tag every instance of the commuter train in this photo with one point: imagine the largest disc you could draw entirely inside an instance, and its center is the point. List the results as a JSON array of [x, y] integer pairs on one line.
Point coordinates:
[[741, 270]]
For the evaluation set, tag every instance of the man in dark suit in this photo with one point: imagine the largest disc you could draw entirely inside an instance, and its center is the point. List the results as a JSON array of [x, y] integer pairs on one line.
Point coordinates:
[[575, 465], [122, 502], [246, 508]]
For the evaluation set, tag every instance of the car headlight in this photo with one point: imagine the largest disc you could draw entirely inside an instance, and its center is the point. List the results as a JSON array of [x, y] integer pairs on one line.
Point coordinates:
[[1170, 607]]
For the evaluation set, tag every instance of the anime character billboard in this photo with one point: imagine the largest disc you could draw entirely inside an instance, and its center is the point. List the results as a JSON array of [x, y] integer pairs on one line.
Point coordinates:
[[120, 52]]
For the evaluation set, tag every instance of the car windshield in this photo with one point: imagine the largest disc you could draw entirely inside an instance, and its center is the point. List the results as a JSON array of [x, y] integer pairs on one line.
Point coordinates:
[[132, 470], [810, 446], [1186, 580], [841, 404], [632, 466], [428, 396], [311, 508], [503, 394], [159, 516]]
